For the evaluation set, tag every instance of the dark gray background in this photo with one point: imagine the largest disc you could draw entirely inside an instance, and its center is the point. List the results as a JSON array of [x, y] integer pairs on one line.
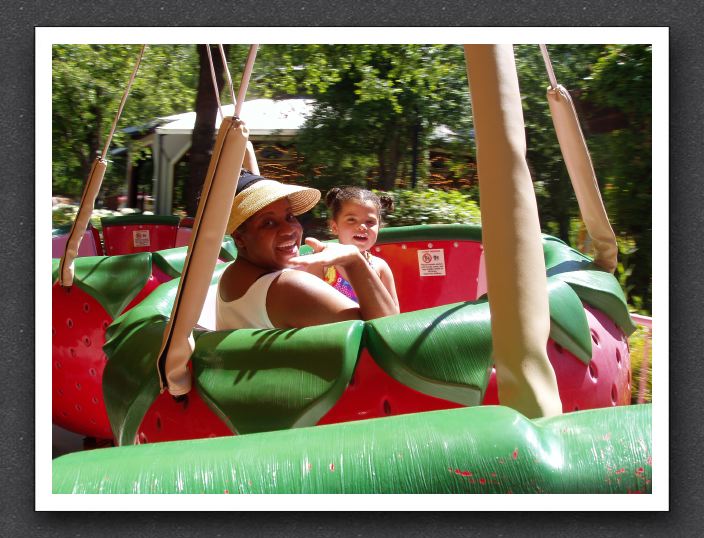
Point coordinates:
[[17, 515]]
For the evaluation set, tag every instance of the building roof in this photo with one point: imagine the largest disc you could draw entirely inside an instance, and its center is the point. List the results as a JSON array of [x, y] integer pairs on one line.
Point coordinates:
[[262, 116]]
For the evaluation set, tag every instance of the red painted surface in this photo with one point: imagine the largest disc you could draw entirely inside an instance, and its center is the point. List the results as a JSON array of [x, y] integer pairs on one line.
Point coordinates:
[[415, 292], [169, 420], [372, 393], [78, 361], [159, 275], [78, 334], [605, 382], [131, 238]]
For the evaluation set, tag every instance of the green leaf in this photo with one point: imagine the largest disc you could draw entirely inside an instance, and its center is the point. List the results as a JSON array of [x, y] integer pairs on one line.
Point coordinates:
[[269, 379], [568, 321], [114, 281], [601, 290], [444, 351]]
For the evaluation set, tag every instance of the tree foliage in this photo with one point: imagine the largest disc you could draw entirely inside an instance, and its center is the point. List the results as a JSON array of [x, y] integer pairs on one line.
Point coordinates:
[[372, 102], [87, 84]]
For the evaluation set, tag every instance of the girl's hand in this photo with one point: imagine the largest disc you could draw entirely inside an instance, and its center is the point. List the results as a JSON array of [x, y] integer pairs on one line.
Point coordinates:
[[325, 255]]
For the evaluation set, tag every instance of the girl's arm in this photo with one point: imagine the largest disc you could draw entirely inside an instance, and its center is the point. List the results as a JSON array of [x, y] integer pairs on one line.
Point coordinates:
[[387, 278]]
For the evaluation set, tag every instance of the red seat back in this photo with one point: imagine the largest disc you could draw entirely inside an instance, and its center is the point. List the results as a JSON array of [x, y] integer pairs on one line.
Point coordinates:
[[139, 233]]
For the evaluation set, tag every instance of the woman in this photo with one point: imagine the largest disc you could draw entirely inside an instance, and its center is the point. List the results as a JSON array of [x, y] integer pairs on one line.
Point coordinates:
[[269, 285]]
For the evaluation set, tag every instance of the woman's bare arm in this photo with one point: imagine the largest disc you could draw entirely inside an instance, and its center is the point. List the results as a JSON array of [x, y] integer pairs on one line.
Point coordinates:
[[299, 299], [250, 159]]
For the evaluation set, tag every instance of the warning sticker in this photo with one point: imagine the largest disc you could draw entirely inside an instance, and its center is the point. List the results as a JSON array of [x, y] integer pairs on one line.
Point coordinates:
[[431, 262], [141, 238]]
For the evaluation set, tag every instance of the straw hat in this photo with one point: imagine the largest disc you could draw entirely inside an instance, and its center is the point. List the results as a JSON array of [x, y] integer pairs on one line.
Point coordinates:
[[264, 192]]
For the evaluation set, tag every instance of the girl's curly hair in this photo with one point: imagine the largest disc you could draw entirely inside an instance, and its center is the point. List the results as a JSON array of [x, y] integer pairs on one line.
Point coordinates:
[[336, 196]]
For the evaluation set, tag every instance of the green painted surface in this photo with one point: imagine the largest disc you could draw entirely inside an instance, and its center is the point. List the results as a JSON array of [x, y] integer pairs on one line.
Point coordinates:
[[488, 449], [601, 290], [228, 251], [125, 220], [560, 257], [171, 260], [270, 379], [568, 320], [443, 351], [466, 232]]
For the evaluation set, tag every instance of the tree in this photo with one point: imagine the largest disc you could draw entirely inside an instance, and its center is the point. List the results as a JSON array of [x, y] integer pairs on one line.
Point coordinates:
[[204, 127], [87, 84], [611, 86], [373, 103], [621, 80]]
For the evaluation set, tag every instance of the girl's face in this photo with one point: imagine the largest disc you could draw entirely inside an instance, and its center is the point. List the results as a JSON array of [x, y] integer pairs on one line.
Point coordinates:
[[357, 223], [271, 236]]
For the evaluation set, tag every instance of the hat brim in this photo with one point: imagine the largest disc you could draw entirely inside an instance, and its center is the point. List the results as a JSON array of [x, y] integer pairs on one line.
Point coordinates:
[[267, 191]]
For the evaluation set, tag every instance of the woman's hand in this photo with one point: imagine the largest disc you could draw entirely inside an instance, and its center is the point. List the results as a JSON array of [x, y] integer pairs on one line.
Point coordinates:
[[325, 255]]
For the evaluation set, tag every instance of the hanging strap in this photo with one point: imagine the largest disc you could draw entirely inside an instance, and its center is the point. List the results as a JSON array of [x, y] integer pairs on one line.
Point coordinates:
[[90, 193], [215, 81], [208, 230], [515, 266], [227, 73], [581, 171], [246, 74]]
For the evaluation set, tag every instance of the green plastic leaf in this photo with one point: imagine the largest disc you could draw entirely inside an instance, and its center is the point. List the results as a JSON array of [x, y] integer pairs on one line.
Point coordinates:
[[131, 381], [270, 379], [601, 290], [569, 326], [171, 260], [113, 281], [560, 257], [228, 251], [444, 351]]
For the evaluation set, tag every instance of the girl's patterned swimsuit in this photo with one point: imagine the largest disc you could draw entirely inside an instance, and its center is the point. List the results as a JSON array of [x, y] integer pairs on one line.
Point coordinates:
[[337, 281]]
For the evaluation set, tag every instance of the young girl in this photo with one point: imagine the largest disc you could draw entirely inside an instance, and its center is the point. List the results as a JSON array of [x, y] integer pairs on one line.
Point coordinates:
[[354, 217]]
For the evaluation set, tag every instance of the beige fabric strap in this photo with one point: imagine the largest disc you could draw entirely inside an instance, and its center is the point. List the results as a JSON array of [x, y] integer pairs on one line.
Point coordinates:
[[80, 223], [90, 192], [246, 74], [208, 230], [215, 82], [579, 166], [516, 280], [227, 73]]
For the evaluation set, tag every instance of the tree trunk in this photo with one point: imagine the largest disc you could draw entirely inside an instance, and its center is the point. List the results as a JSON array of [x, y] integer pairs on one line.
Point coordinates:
[[204, 128], [389, 158]]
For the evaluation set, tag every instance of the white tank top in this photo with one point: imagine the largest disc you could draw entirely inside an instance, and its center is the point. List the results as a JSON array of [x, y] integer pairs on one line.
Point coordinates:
[[249, 311]]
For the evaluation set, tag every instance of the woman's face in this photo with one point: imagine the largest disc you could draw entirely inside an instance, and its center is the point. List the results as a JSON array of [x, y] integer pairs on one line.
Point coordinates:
[[357, 223], [270, 237]]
